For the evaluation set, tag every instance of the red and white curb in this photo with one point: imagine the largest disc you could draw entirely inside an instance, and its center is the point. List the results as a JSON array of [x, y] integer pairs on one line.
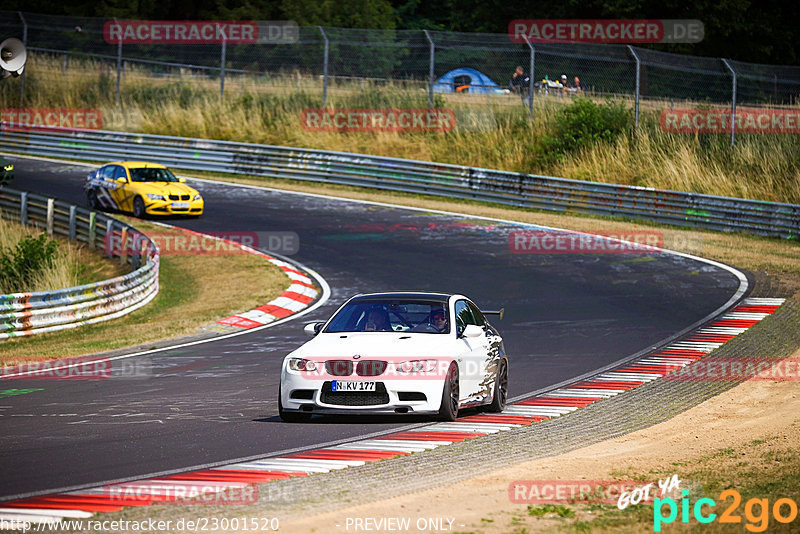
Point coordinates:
[[297, 297], [566, 399]]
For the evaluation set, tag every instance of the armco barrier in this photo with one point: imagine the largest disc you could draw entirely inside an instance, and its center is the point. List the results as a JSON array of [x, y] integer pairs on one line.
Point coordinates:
[[47, 311], [515, 189]]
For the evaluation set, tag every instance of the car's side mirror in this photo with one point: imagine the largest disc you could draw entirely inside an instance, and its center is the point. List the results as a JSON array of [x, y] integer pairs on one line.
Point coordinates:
[[122, 180], [182, 180], [312, 329], [472, 330]]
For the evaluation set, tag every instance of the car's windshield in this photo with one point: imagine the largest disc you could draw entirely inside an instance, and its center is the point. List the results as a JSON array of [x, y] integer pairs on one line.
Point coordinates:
[[152, 174], [392, 316]]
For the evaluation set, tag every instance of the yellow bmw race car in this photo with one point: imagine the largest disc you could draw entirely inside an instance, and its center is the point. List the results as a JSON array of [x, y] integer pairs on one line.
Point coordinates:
[[141, 188]]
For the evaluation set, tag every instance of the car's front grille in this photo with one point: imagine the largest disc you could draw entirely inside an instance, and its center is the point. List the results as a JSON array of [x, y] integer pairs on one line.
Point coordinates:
[[174, 197], [339, 367], [184, 197], [354, 398], [370, 368]]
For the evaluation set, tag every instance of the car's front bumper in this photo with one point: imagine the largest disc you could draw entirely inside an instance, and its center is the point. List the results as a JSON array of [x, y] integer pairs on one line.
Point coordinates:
[[413, 396], [174, 207]]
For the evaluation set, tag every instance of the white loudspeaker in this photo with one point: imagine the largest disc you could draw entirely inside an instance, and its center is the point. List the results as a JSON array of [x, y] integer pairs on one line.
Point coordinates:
[[12, 57]]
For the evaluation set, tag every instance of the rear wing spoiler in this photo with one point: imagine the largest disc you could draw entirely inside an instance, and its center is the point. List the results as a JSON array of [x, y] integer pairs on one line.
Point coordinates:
[[499, 312]]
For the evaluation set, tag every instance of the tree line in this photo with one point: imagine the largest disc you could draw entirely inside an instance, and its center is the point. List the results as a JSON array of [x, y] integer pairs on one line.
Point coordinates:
[[766, 31]]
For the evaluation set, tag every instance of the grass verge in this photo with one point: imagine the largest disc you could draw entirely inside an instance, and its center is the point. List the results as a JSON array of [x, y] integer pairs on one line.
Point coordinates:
[[194, 291], [761, 472], [73, 264]]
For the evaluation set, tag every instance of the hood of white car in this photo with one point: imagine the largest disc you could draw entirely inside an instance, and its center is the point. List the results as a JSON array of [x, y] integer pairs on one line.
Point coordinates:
[[378, 344]]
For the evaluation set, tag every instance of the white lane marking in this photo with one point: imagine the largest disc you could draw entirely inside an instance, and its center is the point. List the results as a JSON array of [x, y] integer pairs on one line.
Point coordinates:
[[428, 444], [50, 513], [356, 446], [455, 426], [764, 301]]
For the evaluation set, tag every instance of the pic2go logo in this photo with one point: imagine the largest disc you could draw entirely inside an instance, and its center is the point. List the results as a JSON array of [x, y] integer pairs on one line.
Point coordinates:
[[756, 511]]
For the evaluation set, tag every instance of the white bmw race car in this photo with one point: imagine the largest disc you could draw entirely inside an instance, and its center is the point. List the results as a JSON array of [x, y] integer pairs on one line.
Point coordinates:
[[403, 353]]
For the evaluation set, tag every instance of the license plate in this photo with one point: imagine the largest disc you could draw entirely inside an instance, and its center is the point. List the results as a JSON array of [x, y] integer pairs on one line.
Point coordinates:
[[180, 204], [352, 385]]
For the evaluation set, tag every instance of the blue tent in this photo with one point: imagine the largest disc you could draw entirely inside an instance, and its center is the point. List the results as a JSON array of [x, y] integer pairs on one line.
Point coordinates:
[[466, 80]]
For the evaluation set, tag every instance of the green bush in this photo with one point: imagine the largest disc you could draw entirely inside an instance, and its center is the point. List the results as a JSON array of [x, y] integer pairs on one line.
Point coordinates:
[[582, 123], [20, 264]]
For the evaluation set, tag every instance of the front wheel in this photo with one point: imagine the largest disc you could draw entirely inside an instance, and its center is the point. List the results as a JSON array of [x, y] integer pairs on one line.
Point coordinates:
[[448, 410], [500, 388], [91, 197], [138, 208]]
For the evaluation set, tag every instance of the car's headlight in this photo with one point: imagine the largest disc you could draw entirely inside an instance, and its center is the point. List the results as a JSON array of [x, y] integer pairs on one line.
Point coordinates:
[[301, 364], [417, 366], [155, 197], [8, 168], [198, 197]]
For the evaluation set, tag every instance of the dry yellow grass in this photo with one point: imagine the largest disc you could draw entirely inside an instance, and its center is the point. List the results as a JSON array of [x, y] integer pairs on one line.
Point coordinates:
[[267, 110]]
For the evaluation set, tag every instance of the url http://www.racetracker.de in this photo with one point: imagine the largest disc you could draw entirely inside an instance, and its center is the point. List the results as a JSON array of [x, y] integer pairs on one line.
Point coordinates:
[[200, 524]]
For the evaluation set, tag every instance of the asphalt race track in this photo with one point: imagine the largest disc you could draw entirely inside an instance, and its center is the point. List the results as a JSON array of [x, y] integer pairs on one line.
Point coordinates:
[[566, 314]]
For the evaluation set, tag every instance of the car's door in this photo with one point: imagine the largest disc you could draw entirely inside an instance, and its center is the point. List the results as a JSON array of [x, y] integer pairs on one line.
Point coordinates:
[[472, 353], [493, 351], [104, 187], [122, 193]]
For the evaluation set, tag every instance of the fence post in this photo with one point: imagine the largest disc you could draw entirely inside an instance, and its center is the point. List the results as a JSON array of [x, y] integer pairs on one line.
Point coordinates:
[[92, 229], [324, 69], [222, 70], [23, 209], [109, 238], [50, 213], [638, 79], [123, 253], [530, 75], [733, 101], [73, 212], [136, 253], [25, 42], [430, 69], [119, 67]]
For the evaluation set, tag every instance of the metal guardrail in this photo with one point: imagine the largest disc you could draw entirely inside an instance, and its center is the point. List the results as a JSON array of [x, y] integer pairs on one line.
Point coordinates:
[[455, 181], [48, 311]]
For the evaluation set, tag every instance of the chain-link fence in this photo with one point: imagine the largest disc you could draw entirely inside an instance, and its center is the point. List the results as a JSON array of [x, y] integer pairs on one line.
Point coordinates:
[[338, 60]]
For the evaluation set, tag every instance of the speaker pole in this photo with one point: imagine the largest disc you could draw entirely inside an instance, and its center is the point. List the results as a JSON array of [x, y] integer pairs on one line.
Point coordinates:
[[24, 42]]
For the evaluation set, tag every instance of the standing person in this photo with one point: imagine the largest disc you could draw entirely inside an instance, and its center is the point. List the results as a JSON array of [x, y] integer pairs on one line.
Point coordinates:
[[520, 82], [564, 85]]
